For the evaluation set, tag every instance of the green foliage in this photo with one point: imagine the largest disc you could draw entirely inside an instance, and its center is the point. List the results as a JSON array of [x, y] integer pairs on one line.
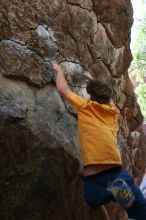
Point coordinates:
[[139, 65], [143, 1], [139, 54], [141, 91]]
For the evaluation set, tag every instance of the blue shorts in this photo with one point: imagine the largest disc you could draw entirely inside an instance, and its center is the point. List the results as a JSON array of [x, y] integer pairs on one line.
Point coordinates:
[[96, 193]]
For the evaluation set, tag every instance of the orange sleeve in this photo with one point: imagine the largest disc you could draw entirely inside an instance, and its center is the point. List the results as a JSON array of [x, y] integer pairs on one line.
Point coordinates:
[[111, 108], [77, 101]]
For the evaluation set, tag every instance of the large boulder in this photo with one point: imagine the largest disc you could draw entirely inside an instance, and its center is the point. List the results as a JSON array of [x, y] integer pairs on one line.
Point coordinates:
[[40, 162]]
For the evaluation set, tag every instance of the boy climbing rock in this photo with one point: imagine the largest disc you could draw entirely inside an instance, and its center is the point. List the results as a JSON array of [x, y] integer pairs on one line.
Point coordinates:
[[104, 178]]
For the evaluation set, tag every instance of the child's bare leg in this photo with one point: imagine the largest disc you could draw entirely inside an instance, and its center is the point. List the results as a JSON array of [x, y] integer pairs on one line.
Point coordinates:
[[102, 213]]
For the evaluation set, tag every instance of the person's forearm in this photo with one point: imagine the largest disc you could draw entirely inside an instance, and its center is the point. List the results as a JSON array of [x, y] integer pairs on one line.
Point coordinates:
[[61, 82]]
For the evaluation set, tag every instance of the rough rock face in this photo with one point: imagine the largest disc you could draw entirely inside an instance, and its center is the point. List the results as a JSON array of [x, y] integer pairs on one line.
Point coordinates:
[[39, 148]]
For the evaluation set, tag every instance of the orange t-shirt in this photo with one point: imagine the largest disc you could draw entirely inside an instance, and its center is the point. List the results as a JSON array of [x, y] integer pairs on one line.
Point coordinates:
[[98, 125]]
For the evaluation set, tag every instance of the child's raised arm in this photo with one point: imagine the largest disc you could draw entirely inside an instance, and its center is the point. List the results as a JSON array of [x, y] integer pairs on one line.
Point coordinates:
[[61, 83]]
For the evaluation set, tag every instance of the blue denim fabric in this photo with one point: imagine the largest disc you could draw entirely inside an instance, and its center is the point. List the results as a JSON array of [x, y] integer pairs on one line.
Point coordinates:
[[96, 194]]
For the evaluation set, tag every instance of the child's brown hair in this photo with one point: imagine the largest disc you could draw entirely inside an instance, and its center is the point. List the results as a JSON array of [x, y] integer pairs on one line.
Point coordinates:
[[99, 91]]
